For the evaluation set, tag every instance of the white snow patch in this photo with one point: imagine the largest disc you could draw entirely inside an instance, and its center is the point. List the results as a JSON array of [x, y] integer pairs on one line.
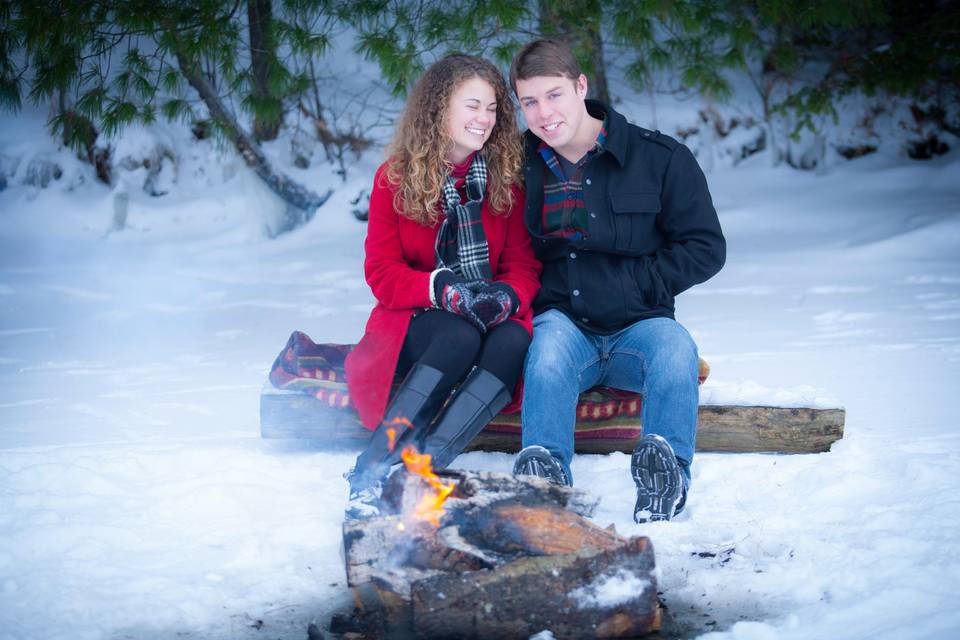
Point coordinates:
[[752, 393], [932, 279], [732, 291], [827, 290], [28, 402], [74, 292], [6, 333], [610, 589]]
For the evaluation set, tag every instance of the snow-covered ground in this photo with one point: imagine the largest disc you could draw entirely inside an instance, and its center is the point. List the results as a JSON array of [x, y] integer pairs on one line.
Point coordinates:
[[138, 501]]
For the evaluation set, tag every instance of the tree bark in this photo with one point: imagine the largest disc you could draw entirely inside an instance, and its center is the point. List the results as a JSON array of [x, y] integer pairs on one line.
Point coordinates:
[[511, 556], [262, 58], [597, 88], [578, 23], [727, 428], [489, 519], [571, 595], [302, 202]]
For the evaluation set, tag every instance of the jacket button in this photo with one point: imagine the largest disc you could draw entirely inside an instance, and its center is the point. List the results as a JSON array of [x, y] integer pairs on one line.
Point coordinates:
[[588, 181], [576, 292], [593, 215], [585, 320], [573, 254]]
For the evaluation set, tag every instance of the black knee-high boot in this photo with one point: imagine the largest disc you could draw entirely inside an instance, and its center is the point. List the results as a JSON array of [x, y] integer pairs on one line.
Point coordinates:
[[413, 407], [474, 404]]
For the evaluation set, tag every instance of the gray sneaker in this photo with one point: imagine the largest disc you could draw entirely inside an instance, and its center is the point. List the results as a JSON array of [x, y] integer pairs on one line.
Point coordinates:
[[661, 492], [537, 461]]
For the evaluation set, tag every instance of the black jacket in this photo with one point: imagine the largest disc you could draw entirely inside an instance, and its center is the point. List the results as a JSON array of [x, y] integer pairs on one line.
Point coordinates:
[[652, 230]]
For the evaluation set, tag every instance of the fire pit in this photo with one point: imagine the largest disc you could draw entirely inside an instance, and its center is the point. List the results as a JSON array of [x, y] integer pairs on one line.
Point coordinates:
[[484, 555]]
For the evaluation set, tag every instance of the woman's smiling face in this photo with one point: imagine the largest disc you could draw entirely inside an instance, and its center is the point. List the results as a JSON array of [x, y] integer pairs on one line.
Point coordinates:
[[471, 116]]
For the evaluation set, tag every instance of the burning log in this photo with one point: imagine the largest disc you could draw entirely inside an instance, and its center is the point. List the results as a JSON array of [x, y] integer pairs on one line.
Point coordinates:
[[502, 557], [596, 593]]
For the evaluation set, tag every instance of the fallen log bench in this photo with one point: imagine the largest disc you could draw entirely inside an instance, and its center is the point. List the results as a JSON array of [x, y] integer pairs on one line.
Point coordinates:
[[306, 397], [507, 557]]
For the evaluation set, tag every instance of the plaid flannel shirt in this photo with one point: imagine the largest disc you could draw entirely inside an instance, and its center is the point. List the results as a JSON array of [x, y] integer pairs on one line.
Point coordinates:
[[564, 213]]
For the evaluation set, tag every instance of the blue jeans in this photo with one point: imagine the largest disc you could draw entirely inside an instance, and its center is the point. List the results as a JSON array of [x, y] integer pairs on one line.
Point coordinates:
[[655, 357]]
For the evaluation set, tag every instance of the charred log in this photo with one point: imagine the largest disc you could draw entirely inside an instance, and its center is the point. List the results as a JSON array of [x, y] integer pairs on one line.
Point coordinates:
[[511, 556], [599, 593]]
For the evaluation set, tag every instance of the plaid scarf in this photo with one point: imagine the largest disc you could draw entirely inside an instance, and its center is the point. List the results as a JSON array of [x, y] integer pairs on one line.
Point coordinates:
[[564, 212], [461, 244]]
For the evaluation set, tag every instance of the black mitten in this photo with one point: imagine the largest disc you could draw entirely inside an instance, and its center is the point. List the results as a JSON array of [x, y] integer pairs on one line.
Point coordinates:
[[494, 303], [458, 296]]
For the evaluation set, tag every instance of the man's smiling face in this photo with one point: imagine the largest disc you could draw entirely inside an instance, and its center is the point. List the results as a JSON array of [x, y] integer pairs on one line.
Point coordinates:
[[553, 107]]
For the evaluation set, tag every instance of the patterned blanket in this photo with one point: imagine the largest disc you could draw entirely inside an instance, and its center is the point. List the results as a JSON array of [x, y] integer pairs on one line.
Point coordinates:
[[315, 369]]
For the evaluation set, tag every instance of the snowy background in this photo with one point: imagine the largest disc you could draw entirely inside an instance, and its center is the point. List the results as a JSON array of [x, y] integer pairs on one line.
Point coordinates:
[[137, 499]]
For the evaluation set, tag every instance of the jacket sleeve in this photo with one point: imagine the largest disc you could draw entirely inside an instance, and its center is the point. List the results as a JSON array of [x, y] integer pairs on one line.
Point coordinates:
[[695, 248], [395, 284], [518, 265]]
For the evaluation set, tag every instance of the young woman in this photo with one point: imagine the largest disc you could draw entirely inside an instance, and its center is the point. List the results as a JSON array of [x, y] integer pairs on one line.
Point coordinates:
[[451, 265]]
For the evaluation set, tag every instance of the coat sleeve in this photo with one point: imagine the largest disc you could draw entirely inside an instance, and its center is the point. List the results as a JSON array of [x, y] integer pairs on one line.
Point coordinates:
[[695, 248], [518, 265], [395, 284]]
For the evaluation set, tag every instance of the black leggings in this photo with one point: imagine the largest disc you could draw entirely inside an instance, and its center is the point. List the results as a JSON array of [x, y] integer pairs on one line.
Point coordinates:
[[447, 342]]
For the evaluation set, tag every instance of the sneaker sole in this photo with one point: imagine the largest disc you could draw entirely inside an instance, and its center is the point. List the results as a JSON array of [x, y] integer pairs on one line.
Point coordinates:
[[657, 475], [543, 459]]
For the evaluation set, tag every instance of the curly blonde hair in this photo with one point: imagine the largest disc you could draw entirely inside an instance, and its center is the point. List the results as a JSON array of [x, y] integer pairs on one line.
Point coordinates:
[[417, 164]]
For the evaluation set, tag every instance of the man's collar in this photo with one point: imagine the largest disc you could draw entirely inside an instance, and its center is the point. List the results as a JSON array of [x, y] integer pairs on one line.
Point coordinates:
[[616, 140]]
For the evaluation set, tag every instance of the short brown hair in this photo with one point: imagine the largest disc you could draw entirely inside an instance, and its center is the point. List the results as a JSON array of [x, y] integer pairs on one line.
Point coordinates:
[[544, 57]]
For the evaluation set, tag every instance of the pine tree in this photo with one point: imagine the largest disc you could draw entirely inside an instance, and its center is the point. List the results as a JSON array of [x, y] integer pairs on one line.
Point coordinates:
[[404, 37], [109, 64], [579, 23], [263, 100]]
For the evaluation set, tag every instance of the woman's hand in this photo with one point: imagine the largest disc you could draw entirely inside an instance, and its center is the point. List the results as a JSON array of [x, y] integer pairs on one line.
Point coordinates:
[[494, 302], [456, 295]]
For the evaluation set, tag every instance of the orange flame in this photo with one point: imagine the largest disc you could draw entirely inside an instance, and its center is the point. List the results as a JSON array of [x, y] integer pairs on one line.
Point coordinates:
[[430, 507], [392, 433]]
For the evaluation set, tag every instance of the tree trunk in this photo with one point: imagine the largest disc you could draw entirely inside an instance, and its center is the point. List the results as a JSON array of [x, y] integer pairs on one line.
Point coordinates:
[[727, 428], [598, 89], [266, 126], [302, 202], [578, 23]]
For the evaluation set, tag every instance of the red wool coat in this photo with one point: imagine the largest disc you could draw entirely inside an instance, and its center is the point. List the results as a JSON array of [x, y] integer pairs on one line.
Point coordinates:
[[399, 259]]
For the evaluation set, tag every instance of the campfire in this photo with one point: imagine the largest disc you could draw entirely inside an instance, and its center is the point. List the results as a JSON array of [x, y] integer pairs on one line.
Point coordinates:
[[459, 554], [430, 506]]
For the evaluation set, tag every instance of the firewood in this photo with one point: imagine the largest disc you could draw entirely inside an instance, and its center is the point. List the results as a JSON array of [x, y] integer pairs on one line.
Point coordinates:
[[510, 528], [600, 593], [395, 551], [476, 487], [509, 557]]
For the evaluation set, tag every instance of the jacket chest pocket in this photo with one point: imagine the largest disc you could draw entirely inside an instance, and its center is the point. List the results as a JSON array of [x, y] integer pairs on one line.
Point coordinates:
[[634, 220]]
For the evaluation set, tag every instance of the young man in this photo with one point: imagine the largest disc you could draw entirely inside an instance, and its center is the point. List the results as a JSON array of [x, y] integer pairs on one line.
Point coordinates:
[[622, 221]]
